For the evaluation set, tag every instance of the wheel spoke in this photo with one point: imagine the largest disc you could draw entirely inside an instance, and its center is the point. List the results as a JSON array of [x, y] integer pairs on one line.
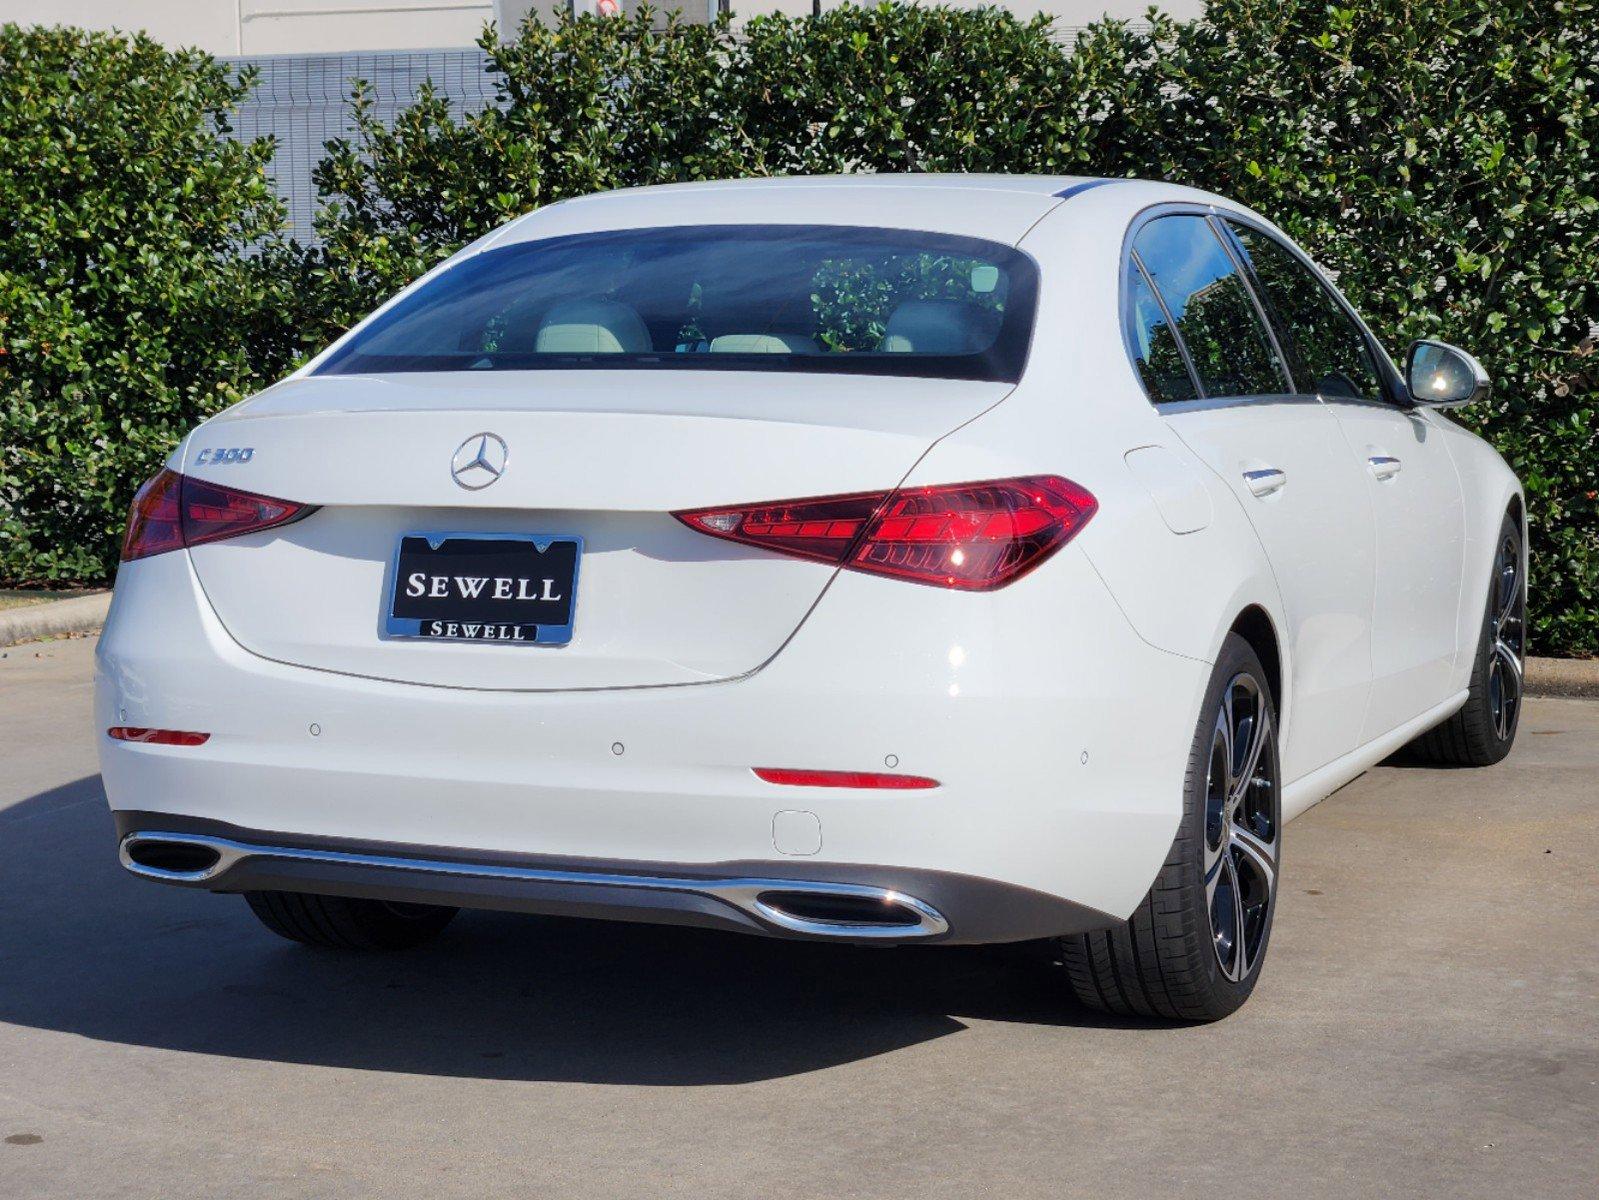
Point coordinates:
[[1238, 775], [1216, 791], [1241, 956], [1251, 856], [1227, 721], [1504, 688], [1496, 697], [1221, 893], [1259, 732], [1258, 853], [1509, 591], [1213, 874], [1224, 730], [1508, 657]]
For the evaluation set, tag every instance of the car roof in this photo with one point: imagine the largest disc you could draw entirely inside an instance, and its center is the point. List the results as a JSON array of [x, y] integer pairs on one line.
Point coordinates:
[[1000, 208], [1035, 185]]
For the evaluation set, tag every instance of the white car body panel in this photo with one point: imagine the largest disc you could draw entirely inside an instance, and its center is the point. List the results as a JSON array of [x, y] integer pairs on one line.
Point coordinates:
[[1316, 530], [1056, 713], [1416, 596]]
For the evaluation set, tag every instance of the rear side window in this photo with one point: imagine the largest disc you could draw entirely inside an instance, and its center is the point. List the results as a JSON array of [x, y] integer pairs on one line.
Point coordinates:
[[1156, 354], [1330, 354], [1211, 309], [797, 298]]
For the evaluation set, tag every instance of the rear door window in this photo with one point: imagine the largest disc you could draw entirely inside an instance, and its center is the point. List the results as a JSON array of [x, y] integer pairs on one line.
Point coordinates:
[[1156, 354], [1211, 308], [1330, 353]]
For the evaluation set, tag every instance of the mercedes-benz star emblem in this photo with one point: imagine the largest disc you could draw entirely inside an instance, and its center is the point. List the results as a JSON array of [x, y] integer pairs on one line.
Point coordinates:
[[479, 461]]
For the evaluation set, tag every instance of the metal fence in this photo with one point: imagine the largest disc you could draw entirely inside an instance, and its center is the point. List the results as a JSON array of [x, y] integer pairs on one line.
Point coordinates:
[[304, 100]]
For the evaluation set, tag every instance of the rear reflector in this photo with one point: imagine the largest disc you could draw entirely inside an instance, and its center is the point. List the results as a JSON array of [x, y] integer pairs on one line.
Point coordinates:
[[842, 779], [971, 536], [172, 511], [157, 737]]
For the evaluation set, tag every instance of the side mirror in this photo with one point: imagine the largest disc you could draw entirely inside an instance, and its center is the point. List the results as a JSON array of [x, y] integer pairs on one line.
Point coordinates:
[[1443, 376]]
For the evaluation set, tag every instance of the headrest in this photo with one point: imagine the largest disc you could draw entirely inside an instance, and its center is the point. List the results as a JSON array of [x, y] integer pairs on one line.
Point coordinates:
[[592, 327], [939, 327], [762, 343]]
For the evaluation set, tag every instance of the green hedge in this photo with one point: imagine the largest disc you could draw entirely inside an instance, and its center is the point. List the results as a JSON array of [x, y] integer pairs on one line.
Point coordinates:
[[127, 311], [1438, 154]]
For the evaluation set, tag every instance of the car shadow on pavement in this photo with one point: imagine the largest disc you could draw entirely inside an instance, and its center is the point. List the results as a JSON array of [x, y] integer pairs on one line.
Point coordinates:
[[87, 949]]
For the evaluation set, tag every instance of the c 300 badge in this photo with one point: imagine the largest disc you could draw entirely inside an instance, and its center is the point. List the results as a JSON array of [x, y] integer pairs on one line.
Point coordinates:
[[224, 457]]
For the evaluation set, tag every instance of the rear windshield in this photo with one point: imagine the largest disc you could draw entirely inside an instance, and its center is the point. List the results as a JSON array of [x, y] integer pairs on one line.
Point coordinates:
[[742, 297]]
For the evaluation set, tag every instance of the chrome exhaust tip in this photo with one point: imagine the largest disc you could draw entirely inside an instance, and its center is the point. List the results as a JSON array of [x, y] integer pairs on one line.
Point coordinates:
[[174, 858], [836, 910]]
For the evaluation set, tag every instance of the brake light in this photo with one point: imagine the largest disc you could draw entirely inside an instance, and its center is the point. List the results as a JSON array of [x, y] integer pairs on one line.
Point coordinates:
[[843, 779], [172, 511], [971, 536], [157, 737]]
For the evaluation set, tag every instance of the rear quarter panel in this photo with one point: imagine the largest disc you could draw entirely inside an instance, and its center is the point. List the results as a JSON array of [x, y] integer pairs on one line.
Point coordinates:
[[1080, 410]]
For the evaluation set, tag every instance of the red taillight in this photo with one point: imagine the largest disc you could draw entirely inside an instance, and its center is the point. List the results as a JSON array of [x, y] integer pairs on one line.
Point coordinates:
[[157, 737], [973, 536], [843, 779], [172, 511], [154, 523]]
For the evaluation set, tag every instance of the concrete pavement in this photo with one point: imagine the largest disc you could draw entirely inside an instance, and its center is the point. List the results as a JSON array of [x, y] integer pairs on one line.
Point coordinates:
[[1426, 1026]]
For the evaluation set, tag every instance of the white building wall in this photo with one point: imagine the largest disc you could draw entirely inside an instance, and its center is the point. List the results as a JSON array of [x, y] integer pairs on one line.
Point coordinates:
[[234, 27], [245, 27], [304, 26], [212, 25], [1066, 12]]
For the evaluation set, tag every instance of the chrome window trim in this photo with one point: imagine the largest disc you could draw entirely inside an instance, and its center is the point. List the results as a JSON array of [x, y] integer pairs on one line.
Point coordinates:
[[1172, 408]]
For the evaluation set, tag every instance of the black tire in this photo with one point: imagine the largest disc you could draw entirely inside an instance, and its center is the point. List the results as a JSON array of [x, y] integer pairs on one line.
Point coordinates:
[[1484, 730], [1174, 958], [342, 923]]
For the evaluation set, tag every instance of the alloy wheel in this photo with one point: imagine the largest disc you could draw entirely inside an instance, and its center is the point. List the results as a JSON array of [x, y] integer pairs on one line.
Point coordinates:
[[1241, 826], [1507, 638]]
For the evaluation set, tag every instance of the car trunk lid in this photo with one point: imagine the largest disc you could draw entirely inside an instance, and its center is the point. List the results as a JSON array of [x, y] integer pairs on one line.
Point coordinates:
[[601, 456]]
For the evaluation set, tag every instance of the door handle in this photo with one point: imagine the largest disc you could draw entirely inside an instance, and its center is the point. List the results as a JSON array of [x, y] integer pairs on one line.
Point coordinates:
[[1384, 466], [1265, 481]]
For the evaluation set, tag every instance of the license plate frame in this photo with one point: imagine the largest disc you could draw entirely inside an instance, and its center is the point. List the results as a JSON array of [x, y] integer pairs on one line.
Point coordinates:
[[412, 626]]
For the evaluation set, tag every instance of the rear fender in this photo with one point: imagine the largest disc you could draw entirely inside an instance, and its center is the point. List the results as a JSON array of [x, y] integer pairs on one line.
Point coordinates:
[[1180, 592]]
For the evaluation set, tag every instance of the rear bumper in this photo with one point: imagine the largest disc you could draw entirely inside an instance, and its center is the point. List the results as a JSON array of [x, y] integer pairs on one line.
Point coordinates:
[[1058, 737], [779, 899]]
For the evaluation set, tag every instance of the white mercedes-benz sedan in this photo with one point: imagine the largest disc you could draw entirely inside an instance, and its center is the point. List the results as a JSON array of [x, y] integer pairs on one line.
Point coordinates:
[[893, 560]]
